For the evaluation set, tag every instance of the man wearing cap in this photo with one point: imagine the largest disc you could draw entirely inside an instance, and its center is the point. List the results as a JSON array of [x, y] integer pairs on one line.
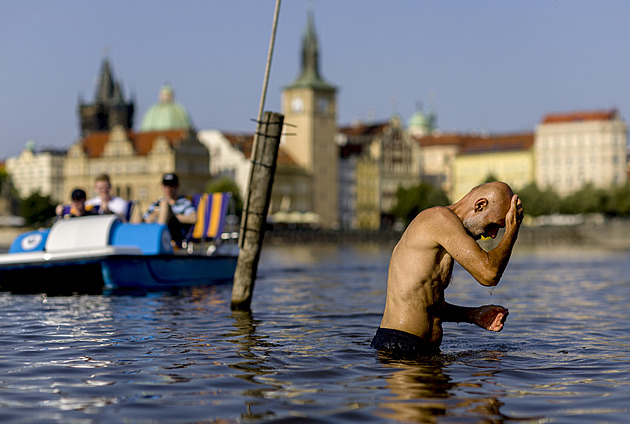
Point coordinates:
[[77, 207], [178, 212]]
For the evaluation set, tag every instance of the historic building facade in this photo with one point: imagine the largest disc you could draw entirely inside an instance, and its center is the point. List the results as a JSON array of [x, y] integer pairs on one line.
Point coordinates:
[[37, 171], [230, 155], [507, 157], [375, 160], [136, 161], [438, 153], [579, 148]]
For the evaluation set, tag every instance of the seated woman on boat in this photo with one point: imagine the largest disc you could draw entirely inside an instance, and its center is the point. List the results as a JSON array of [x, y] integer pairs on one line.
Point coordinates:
[[177, 212], [107, 204], [77, 207]]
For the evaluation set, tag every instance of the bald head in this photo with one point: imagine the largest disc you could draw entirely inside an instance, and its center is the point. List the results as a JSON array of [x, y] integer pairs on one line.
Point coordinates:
[[484, 208], [498, 194]]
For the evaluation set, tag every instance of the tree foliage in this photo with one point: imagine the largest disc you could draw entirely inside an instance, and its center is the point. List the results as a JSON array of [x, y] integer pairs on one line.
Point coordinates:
[[589, 199], [411, 201], [490, 178], [586, 200], [37, 210], [619, 201], [224, 185], [539, 202]]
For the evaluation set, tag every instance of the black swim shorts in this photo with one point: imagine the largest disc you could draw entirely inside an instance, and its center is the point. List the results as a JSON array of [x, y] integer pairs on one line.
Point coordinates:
[[397, 341]]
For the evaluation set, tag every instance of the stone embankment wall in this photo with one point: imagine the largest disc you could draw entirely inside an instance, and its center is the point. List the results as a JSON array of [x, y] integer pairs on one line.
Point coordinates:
[[610, 234]]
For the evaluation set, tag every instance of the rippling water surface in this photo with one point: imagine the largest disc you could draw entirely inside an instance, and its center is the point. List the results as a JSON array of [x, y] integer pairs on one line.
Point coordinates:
[[303, 354]]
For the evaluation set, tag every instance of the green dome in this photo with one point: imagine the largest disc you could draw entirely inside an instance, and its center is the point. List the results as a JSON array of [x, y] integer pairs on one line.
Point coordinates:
[[417, 121], [166, 114]]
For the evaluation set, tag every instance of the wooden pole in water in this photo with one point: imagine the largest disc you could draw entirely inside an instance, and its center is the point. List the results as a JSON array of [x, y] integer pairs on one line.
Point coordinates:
[[264, 160]]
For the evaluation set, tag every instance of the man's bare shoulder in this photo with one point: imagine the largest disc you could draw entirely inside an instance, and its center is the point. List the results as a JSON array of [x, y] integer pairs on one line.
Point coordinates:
[[432, 216], [432, 225], [427, 225]]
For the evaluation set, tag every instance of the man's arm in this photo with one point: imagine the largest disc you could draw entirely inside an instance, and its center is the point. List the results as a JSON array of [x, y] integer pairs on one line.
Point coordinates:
[[486, 267], [489, 317], [189, 213], [189, 218]]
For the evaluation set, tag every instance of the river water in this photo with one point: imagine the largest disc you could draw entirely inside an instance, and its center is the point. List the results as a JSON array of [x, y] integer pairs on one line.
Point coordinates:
[[303, 356]]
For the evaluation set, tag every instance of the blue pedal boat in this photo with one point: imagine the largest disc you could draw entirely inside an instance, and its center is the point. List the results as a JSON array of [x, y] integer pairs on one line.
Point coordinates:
[[93, 254]]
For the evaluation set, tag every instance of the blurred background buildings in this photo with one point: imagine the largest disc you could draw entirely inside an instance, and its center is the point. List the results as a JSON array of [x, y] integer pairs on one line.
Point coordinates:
[[328, 175]]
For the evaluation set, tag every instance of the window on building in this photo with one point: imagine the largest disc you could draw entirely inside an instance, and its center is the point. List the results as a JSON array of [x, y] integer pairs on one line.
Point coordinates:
[[143, 193]]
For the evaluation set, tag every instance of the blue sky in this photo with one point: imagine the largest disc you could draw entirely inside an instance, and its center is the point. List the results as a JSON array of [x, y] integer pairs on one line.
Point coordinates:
[[489, 65]]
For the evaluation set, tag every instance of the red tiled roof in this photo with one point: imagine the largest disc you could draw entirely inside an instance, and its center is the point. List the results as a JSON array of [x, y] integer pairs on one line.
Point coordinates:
[[242, 142], [245, 143], [143, 141], [496, 143], [448, 139], [472, 143], [94, 143], [595, 115]]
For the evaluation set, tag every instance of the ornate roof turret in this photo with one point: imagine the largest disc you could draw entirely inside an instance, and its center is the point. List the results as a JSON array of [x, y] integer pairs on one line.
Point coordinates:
[[309, 76], [420, 124]]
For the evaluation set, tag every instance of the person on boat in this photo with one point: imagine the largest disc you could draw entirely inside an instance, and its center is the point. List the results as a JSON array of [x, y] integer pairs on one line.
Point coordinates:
[[176, 211], [107, 204], [421, 267], [77, 206]]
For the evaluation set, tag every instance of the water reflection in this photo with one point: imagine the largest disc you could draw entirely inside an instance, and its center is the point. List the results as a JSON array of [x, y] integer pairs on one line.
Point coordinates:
[[303, 354], [423, 389]]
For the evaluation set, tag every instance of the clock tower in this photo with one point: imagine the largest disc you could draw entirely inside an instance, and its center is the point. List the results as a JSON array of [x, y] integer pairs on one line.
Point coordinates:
[[309, 104]]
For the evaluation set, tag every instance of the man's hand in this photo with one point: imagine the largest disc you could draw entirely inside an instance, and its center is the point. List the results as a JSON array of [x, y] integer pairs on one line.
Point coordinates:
[[489, 317], [514, 216]]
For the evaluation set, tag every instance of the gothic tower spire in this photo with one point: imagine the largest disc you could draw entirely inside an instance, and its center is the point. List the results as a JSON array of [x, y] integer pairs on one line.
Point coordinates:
[[109, 108], [106, 83], [309, 75]]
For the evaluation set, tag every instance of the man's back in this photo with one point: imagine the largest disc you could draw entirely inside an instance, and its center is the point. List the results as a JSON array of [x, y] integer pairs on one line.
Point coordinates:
[[419, 271]]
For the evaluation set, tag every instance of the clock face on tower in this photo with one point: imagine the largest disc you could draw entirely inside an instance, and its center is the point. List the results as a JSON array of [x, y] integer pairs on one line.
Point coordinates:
[[297, 104]]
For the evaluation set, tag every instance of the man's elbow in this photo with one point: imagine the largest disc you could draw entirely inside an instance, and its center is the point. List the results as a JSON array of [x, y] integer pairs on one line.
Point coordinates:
[[489, 278]]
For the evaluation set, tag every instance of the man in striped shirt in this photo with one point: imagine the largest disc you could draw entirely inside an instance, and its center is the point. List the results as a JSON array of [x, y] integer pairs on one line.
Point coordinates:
[[178, 212]]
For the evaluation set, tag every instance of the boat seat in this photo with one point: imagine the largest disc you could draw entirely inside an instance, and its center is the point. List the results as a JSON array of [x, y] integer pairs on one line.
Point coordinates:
[[82, 233], [212, 211]]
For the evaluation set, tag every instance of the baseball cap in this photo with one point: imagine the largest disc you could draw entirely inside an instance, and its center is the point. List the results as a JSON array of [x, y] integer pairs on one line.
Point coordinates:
[[170, 180], [78, 194]]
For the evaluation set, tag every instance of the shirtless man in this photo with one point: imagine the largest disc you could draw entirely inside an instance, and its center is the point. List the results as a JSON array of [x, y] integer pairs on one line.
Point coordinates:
[[421, 268]]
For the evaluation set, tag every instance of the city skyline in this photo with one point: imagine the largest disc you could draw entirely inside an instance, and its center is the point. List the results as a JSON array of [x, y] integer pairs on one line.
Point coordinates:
[[488, 67]]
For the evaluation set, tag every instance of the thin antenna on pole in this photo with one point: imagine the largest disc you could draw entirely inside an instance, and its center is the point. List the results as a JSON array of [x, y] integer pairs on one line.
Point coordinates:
[[272, 42], [263, 96]]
